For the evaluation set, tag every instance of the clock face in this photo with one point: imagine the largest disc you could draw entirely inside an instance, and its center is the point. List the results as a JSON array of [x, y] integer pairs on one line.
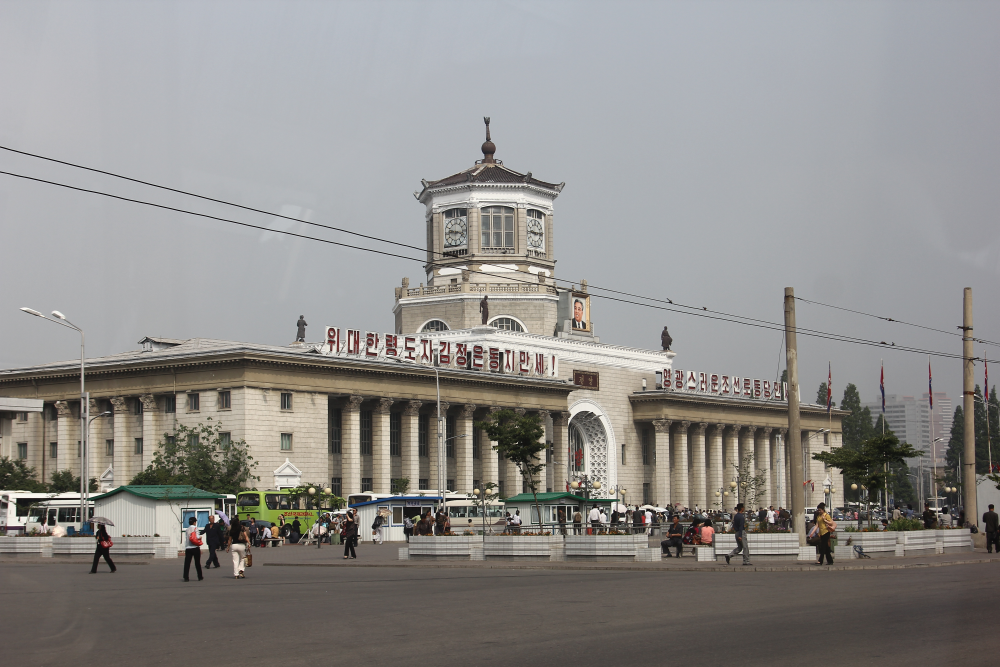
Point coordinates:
[[455, 232], [535, 235]]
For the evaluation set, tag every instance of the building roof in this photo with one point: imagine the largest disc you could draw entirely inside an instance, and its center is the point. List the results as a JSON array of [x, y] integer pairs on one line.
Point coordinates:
[[491, 173], [163, 492], [549, 497]]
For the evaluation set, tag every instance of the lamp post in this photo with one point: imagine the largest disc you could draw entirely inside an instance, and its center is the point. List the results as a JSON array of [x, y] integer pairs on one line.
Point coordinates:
[[934, 486], [584, 482], [61, 320], [827, 492]]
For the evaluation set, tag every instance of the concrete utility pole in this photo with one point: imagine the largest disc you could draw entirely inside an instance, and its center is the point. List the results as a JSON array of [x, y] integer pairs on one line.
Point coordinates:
[[794, 426], [969, 408]]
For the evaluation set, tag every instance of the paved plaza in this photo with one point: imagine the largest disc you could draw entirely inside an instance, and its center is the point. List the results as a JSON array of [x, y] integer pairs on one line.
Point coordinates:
[[302, 606]]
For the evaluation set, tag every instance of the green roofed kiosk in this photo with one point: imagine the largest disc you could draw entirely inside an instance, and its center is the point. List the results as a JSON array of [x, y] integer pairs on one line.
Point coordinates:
[[155, 510], [550, 504]]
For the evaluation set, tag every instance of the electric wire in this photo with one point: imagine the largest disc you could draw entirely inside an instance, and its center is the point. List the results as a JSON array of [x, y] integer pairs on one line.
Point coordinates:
[[701, 312]]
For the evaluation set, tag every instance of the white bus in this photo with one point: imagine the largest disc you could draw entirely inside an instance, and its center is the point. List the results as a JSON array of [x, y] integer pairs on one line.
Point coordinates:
[[65, 511], [367, 496], [15, 506]]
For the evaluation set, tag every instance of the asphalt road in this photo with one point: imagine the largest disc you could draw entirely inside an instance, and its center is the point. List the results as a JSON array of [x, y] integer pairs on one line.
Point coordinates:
[[59, 614]]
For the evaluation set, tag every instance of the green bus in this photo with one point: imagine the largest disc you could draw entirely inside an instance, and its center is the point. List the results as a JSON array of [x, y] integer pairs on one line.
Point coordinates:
[[270, 505]]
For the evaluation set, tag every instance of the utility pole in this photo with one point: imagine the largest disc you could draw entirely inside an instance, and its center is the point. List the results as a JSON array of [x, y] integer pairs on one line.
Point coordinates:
[[794, 426], [969, 408]]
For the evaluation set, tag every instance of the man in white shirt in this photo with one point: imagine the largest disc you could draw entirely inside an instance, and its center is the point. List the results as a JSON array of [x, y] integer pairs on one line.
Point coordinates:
[[770, 519], [648, 521], [595, 518], [604, 520], [266, 535]]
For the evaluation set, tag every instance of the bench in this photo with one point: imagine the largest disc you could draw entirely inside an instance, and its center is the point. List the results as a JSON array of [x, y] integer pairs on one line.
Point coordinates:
[[274, 542]]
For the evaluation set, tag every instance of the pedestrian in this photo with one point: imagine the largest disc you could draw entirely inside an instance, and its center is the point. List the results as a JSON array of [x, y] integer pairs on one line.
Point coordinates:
[[595, 519], [615, 517], [577, 522], [213, 538], [654, 524], [896, 514], [297, 529], [104, 545], [265, 535], [929, 517], [826, 526], [707, 533], [516, 522], [675, 538], [991, 523], [252, 531], [740, 528], [238, 543], [561, 517], [440, 519], [771, 516], [407, 527], [350, 535], [647, 521], [192, 548], [637, 521], [377, 529]]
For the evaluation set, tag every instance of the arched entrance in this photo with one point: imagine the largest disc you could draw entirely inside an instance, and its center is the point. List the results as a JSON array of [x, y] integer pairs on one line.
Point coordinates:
[[592, 446]]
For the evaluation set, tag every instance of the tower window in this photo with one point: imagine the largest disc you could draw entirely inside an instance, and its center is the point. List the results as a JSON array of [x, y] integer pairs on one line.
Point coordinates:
[[507, 324], [456, 228], [434, 325], [536, 230], [498, 227]]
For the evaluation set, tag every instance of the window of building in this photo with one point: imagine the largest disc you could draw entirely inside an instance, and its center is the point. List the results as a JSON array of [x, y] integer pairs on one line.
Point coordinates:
[[336, 486], [137, 406], [434, 325], [456, 228], [423, 429], [424, 483], [536, 231], [225, 440], [506, 323], [22, 450], [225, 400], [193, 439], [646, 490], [79, 449], [53, 450], [194, 402], [336, 422], [450, 484], [524, 486], [577, 456], [477, 440], [286, 442], [645, 445], [366, 432], [22, 416], [498, 227], [109, 447], [623, 454], [286, 401], [366, 484], [500, 489], [170, 439], [449, 434], [138, 446], [396, 434], [170, 404]]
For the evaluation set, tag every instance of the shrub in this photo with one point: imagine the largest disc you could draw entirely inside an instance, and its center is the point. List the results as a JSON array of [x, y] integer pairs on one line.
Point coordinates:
[[906, 524]]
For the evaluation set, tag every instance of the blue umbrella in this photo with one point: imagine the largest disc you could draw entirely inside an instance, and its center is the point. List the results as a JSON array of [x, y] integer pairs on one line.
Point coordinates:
[[222, 515]]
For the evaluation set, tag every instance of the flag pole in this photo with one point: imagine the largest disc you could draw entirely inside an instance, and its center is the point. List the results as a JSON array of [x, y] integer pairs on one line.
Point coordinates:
[[986, 403], [930, 397]]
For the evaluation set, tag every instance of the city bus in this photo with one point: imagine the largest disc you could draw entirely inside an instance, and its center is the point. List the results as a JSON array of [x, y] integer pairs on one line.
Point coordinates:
[[15, 506], [65, 511], [270, 505]]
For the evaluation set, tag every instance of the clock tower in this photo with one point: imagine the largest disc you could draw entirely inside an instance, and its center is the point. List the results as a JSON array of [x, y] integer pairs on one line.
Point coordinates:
[[489, 234]]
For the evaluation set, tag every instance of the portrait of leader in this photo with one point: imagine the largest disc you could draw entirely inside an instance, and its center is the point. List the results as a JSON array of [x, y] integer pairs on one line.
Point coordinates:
[[581, 312]]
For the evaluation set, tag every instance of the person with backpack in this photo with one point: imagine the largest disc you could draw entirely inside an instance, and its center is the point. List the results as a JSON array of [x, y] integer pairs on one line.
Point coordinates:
[[377, 529], [192, 548], [104, 545]]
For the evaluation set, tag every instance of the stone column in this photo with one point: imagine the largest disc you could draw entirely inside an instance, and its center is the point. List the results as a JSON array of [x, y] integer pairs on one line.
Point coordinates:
[[66, 455], [150, 432], [731, 456], [120, 461], [679, 466], [381, 468], [763, 460], [463, 449], [410, 443], [491, 461], [432, 446], [560, 451], [715, 465], [350, 446], [662, 470], [698, 466], [514, 476]]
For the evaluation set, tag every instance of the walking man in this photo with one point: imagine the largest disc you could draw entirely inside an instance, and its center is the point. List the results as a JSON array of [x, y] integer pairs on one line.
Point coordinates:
[[991, 521], [740, 528], [377, 529], [595, 519], [213, 538]]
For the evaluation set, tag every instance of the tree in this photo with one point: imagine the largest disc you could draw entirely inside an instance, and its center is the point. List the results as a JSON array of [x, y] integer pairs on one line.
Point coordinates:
[[750, 484], [16, 475], [518, 440], [400, 485], [63, 481], [821, 396], [200, 457], [857, 427], [870, 464]]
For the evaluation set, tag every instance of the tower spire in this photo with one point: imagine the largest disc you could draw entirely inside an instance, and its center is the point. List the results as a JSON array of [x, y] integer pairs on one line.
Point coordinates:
[[489, 148]]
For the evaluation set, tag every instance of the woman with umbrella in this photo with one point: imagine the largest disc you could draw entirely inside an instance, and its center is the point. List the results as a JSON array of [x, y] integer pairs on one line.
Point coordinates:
[[103, 544]]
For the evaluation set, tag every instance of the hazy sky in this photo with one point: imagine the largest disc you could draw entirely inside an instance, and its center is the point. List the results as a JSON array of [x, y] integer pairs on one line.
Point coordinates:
[[713, 153]]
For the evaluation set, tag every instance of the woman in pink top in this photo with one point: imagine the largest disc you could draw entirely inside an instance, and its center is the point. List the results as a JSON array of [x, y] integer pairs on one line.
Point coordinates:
[[707, 532]]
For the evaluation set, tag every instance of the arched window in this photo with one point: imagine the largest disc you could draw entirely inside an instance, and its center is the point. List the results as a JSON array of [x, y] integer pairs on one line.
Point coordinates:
[[507, 324], [434, 325], [498, 227]]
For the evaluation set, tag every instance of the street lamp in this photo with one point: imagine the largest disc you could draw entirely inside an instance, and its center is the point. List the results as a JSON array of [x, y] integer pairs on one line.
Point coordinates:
[[586, 484], [61, 320]]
